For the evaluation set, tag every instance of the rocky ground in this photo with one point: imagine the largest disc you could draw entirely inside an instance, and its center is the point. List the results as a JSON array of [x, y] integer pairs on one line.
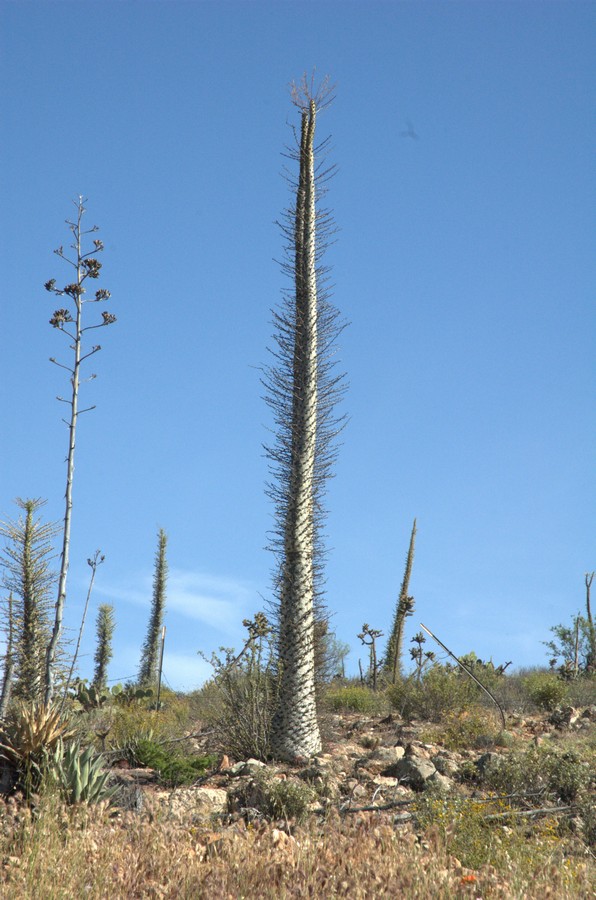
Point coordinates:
[[369, 763]]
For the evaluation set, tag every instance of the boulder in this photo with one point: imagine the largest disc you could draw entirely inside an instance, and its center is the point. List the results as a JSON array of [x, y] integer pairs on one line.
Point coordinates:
[[564, 716], [439, 782], [248, 767], [194, 805], [412, 771]]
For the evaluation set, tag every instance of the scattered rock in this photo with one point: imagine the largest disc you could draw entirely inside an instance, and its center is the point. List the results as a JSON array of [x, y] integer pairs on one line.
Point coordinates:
[[189, 805], [486, 761], [359, 791], [124, 777], [439, 782], [387, 755], [412, 771], [445, 763], [248, 767], [564, 716]]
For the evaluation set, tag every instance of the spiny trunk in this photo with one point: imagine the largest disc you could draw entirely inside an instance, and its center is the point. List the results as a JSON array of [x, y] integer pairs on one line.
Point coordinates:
[[9, 662], [295, 731], [404, 608], [150, 653]]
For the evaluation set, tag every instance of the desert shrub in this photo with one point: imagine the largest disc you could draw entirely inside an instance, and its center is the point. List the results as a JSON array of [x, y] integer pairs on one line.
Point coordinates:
[[206, 704], [587, 813], [439, 690], [173, 767], [545, 690], [245, 689], [464, 828], [560, 776], [355, 698], [460, 825], [461, 730], [582, 691], [289, 799], [275, 799], [129, 723], [572, 660]]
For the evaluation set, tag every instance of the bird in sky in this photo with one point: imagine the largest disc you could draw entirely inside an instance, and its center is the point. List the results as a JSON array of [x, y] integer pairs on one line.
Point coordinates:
[[410, 132]]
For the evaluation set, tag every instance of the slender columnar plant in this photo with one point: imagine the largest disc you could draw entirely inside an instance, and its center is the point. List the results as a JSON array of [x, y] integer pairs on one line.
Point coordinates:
[[302, 390], [70, 322], [150, 652], [591, 658], [103, 652], [404, 608], [29, 578], [8, 658]]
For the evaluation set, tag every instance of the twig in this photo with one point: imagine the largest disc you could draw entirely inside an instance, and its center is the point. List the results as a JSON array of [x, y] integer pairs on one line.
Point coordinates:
[[545, 811], [393, 804], [95, 561]]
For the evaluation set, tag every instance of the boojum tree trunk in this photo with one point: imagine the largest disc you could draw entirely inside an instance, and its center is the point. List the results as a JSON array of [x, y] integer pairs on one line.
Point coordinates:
[[404, 608], [295, 730]]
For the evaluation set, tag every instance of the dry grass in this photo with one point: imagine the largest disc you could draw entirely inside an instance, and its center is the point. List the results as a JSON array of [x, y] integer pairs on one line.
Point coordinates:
[[70, 853]]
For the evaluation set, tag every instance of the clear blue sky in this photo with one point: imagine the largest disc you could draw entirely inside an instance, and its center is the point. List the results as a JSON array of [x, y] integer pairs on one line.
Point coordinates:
[[464, 263]]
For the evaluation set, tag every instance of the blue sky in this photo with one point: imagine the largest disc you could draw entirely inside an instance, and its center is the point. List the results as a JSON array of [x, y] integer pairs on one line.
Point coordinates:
[[464, 263]]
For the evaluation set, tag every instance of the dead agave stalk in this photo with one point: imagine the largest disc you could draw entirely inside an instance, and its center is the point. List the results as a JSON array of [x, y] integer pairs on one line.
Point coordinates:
[[468, 672]]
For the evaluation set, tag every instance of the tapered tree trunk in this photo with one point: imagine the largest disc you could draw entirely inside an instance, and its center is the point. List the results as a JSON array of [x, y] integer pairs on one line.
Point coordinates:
[[404, 608], [103, 653], [295, 730], [591, 660], [8, 662], [150, 652]]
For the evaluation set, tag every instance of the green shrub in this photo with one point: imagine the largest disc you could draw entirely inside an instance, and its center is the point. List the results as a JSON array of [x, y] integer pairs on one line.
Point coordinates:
[[355, 698], [174, 768], [129, 723], [561, 776], [289, 799], [244, 693], [440, 690], [275, 799], [476, 727], [545, 690]]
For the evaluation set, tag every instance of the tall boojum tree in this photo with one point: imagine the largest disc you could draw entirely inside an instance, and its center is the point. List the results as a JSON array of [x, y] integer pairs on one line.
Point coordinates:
[[302, 390]]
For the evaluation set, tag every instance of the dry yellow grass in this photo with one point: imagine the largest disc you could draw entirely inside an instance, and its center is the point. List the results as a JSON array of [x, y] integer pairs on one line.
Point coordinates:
[[68, 853]]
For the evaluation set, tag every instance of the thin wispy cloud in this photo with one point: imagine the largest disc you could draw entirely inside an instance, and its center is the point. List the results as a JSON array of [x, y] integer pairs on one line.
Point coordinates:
[[184, 671], [220, 602]]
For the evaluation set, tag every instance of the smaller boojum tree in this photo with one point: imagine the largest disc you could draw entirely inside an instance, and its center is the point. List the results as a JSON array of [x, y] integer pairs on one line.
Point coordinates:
[[29, 578], [69, 320], [403, 609], [103, 652], [150, 652]]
